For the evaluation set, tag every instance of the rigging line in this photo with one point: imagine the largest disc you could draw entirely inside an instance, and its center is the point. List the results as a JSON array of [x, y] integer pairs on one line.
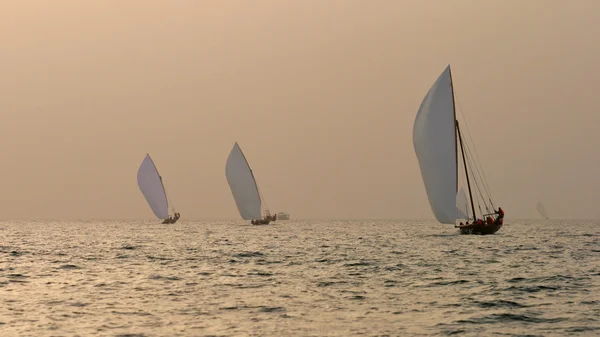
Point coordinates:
[[484, 196], [479, 186], [169, 201], [476, 157], [471, 139], [479, 173], [473, 169], [262, 198], [479, 170], [479, 190], [166, 194]]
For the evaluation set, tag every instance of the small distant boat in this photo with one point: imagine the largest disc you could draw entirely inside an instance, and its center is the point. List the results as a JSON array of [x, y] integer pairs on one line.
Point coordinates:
[[436, 136], [151, 185], [542, 210], [244, 188], [283, 216]]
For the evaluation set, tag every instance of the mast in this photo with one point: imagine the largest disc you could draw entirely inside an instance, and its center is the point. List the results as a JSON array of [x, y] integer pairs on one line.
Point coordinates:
[[454, 112], [466, 170]]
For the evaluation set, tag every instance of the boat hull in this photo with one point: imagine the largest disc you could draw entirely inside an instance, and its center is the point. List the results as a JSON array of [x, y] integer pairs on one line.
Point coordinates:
[[481, 229], [260, 222], [170, 221]]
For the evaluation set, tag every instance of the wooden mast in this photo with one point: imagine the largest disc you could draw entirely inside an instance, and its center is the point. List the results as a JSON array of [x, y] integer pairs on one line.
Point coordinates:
[[466, 170]]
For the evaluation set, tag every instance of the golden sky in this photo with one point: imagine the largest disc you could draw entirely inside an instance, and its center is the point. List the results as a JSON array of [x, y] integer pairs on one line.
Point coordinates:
[[320, 94]]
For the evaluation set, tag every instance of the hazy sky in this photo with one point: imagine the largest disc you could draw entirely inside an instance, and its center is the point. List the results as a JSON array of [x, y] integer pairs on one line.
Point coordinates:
[[320, 94]]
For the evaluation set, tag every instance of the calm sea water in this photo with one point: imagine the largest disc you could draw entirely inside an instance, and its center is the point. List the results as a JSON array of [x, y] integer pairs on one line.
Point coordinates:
[[298, 278]]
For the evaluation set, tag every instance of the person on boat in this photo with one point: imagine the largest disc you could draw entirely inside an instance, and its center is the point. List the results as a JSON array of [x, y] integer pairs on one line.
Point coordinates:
[[466, 225], [500, 212], [479, 222], [489, 220]]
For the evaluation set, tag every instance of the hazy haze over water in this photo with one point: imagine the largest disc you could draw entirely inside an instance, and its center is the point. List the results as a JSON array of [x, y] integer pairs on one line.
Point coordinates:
[[321, 96], [88, 87]]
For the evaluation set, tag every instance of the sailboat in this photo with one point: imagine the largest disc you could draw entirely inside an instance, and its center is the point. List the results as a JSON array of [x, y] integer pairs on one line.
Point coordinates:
[[283, 216], [244, 188], [542, 210], [437, 137], [151, 185]]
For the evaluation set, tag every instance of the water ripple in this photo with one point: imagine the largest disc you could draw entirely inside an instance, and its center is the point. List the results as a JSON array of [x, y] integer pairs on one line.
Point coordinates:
[[334, 278]]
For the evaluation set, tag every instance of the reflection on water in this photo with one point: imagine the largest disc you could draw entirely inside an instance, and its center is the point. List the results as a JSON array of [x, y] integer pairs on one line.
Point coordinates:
[[335, 278]]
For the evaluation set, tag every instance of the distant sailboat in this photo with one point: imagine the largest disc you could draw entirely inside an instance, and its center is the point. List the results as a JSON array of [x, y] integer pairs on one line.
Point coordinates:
[[283, 216], [542, 210], [436, 135], [151, 185], [244, 188]]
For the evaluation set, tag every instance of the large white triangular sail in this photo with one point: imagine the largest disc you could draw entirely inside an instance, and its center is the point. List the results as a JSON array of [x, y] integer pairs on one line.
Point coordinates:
[[243, 185], [434, 139], [150, 183]]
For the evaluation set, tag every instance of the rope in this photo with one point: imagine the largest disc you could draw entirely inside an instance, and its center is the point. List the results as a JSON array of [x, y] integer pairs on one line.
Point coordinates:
[[475, 180], [479, 189], [478, 174], [169, 199], [478, 161], [262, 198], [468, 166]]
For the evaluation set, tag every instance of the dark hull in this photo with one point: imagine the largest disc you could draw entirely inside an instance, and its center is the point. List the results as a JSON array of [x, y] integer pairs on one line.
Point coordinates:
[[481, 229], [260, 222], [167, 221]]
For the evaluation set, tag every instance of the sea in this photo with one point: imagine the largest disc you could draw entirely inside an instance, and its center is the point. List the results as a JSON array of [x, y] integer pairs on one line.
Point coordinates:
[[298, 278]]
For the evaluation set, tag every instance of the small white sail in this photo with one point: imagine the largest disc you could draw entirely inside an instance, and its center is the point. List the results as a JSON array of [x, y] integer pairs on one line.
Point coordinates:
[[152, 188], [542, 210], [462, 206], [434, 139], [243, 185]]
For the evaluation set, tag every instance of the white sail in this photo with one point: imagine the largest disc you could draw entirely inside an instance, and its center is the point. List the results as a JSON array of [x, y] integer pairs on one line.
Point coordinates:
[[462, 206], [542, 210], [152, 188], [242, 184], [434, 139]]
